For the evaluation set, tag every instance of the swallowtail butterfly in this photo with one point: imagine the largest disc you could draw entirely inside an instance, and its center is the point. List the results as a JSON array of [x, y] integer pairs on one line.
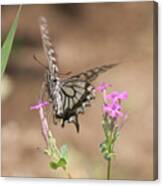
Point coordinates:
[[70, 96]]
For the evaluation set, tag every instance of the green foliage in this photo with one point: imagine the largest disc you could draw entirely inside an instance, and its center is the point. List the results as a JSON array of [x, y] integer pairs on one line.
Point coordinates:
[[7, 45], [111, 132], [61, 163], [64, 152], [59, 157]]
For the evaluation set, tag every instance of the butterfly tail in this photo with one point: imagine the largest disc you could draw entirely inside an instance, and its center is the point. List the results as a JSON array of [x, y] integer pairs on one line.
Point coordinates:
[[77, 125], [75, 122]]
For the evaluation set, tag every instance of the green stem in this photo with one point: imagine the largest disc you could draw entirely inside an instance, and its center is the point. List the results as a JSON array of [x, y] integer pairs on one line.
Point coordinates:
[[68, 174], [109, 169], [110, 150]]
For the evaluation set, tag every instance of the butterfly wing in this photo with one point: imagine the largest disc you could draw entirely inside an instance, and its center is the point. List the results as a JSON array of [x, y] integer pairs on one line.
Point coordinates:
[[92, 74], [75, 94], [71, 96], [48, 47]]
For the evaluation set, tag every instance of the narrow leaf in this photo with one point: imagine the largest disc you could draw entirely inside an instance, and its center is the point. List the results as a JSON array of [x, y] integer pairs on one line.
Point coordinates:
[[7, 45]]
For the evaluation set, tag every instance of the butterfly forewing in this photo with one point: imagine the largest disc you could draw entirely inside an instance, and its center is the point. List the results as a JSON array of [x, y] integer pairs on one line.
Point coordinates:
[[47, 45], [92, 74]]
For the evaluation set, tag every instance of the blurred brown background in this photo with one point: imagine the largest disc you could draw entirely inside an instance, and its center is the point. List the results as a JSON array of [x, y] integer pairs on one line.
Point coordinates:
[[84, 35]]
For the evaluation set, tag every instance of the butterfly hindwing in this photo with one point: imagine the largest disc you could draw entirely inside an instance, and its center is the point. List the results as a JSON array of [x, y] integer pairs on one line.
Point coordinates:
[[75, 94]]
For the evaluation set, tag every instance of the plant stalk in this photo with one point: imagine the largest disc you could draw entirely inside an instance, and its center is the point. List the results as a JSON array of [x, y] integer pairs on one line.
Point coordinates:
[[109, 169], [68, 174]]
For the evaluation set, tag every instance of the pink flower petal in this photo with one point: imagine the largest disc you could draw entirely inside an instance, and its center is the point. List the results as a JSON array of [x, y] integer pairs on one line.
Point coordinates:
[[113, 110], [39, 105], [103, 86], [119, 113], [123, 95], [114, 96]]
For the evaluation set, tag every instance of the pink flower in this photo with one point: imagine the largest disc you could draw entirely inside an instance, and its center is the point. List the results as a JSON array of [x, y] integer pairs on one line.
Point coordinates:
[[123, 95], [114, 96], [44, 123], [39, 105], [113, 110], [103, 86]]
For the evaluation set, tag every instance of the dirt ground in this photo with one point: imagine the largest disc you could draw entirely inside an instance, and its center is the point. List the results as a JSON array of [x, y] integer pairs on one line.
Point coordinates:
[[84, 35]]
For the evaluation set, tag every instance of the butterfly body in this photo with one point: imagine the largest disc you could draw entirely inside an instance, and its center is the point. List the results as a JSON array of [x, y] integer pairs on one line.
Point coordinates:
[[69, 97]]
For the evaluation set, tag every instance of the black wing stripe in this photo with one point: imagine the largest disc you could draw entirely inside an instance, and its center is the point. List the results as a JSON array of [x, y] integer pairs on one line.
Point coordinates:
[[74, 87]]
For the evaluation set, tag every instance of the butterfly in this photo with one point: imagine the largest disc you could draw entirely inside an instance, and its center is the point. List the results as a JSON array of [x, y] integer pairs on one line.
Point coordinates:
[[70, 96]]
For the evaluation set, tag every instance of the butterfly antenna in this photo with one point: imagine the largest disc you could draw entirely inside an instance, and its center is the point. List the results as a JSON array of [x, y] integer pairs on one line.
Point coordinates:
[[39, 62]]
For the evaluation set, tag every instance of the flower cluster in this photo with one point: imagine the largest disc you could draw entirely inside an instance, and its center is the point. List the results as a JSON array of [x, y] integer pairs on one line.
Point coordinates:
[[112, 104], [113, 118]]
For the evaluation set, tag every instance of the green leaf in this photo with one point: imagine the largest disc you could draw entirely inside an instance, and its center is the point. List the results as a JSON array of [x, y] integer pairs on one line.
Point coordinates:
[[7, 45], [64, 152], [61, 163], [116, 135], [103, 147]]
